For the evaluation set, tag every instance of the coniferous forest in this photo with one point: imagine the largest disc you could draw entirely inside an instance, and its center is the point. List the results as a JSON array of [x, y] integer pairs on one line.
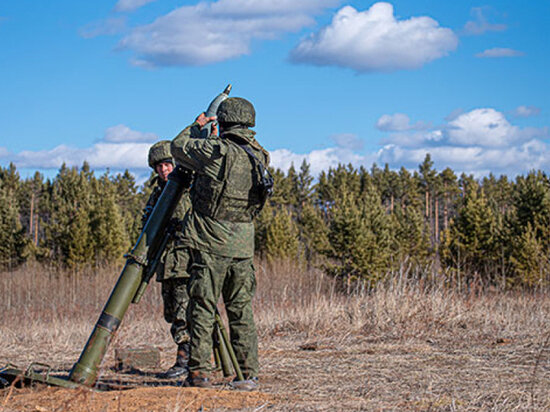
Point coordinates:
[[359, 225]]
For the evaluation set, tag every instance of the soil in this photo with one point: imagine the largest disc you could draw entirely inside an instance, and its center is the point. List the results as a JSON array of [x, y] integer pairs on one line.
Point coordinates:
[[42, 399], [354, 374]]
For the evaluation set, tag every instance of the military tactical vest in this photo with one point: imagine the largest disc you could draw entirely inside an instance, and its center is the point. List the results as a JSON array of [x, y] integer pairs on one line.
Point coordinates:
[[235, 195]]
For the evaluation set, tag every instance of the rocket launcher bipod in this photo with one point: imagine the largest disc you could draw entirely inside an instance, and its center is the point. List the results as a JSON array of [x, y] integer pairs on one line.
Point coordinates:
[[221, 354], [36, 373], [225, 349]]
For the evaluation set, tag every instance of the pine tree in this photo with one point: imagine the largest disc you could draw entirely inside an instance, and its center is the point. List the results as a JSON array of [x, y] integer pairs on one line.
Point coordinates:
[[131, 204], [449, 192], [13, 248], [360, 238], [411, 238], [313, 233], [281, 189], [290, 186], [532, 206], [304, 188], [338, 182], [106, 223], [67, 231], [261, 224], [473, 236], [389, 186], [529, 260], [428, 177], [282, 237]]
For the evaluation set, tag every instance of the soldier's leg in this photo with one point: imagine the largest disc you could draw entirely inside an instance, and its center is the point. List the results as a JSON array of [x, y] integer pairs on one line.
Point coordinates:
[[180, 300], [238, 290], [175, 297], [166, 292], [205, 284]]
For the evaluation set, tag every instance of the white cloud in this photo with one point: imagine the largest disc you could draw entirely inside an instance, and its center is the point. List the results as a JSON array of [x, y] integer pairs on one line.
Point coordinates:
[[107, 27], [499, 52], [483, 127], [398, 122], [348, 141], [374, 40], [131, 5], [213, 32], [414, 139], [525, 111], [479, 161], [100, 156], [318, 159], [120, 148], [121, 134], [478, 142], [480, 24]]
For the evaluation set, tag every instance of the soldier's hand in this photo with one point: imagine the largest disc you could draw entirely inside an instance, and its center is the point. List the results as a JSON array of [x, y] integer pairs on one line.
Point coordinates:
[[214, 131], [202, 120]]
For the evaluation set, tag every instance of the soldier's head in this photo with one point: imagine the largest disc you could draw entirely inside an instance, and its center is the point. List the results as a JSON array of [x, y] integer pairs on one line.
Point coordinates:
[[160, 159], [236, 111]]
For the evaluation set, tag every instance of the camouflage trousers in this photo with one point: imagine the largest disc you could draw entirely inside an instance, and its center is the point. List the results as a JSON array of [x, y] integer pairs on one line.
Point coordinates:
[[176, 298], [234, 279]]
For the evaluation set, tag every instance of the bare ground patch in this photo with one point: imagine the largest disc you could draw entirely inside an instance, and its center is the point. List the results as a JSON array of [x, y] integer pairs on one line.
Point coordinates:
[[402, 347]]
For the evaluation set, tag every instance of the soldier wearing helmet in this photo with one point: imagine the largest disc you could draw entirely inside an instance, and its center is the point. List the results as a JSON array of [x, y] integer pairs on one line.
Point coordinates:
[[219, 229], [172, 270]]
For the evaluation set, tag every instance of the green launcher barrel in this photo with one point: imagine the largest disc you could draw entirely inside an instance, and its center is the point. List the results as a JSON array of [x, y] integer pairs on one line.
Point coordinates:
[[150, 241]]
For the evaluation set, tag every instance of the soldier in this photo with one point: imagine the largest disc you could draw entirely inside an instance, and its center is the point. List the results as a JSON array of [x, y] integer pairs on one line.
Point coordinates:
[[172, 270], [226, 195]]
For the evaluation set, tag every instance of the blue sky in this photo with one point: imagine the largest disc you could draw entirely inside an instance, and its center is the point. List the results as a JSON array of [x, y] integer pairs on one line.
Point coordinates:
[[332, 81]]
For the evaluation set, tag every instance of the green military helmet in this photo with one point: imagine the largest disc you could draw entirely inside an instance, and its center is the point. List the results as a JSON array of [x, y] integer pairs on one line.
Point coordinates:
[[236, 110], [160, 152]]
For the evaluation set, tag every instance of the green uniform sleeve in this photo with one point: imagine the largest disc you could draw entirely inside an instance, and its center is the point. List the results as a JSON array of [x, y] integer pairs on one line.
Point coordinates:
[[196, 153]]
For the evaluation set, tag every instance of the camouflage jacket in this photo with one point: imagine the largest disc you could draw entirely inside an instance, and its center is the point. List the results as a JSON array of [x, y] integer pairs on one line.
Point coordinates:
[[175, 226], [224, 194]]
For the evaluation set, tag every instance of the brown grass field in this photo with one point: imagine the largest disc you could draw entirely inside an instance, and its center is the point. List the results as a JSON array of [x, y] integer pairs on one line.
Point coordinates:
[[406, 346]]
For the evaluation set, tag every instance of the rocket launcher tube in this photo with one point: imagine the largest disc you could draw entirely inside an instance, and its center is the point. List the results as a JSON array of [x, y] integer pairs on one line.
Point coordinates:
[[150, 240], [149, 271], [213, 109]]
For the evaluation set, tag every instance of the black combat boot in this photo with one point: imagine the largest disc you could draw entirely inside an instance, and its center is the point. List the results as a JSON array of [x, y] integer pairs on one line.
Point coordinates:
[[198, 380], [180, 367]]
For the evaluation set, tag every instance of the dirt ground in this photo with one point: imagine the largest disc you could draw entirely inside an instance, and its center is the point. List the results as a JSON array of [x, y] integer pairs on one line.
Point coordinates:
[[496, 374], [401, 347]]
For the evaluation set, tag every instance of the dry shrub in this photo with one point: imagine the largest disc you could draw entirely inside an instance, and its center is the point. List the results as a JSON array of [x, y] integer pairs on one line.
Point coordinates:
[[292, 300], [405, 345], [52, 308]]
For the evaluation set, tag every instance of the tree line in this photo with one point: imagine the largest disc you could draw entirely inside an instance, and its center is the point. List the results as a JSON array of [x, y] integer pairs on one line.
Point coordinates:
[[360, 225]]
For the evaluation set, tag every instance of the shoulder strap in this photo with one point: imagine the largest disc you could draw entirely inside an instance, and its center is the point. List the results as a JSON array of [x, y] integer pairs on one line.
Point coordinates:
[[264, 172], [266, 179]]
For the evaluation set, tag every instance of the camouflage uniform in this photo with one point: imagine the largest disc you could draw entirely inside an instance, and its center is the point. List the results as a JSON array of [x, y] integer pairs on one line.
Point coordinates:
[[220, 232], [172, 269]]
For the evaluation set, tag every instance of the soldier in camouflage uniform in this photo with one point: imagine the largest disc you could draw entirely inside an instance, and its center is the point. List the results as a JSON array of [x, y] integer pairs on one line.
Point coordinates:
[[220, 232], [172, 270]]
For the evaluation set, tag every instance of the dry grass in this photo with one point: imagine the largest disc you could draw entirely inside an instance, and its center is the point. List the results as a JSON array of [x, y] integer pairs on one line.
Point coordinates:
[[404, 346]]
